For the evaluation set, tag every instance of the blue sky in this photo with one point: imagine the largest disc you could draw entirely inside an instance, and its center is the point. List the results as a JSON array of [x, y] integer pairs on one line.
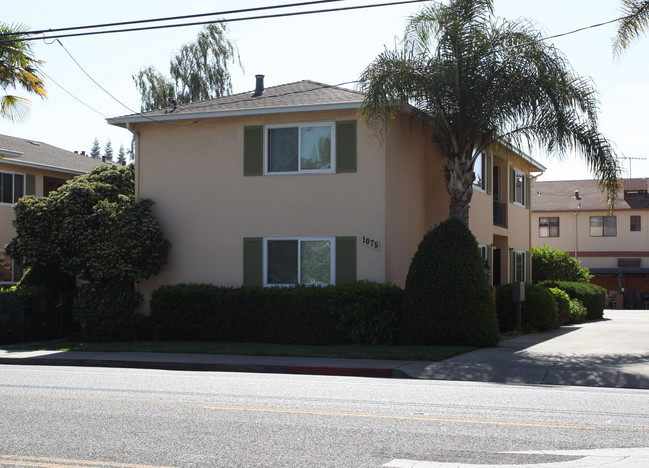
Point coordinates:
[[330, 48]]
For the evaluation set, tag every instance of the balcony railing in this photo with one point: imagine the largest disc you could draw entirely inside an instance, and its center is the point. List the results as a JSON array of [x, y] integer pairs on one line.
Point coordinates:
[[500, 214]]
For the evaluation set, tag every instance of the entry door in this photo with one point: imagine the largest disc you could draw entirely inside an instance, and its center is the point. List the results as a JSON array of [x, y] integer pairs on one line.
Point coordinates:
[[496, 267]]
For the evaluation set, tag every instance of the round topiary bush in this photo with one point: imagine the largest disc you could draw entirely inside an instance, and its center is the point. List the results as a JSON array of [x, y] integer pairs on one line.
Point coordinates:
[[447, 297]]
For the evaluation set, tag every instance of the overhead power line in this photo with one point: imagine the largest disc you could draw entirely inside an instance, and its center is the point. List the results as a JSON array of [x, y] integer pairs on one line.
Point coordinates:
[[201, 23], [171, 18]]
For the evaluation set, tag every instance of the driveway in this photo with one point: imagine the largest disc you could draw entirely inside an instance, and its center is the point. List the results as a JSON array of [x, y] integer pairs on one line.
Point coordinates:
[[613, 352]]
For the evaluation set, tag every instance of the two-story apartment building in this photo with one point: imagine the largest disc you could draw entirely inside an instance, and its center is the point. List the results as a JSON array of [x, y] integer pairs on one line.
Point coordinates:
[[286, 185], [30, 168], [614, 246]]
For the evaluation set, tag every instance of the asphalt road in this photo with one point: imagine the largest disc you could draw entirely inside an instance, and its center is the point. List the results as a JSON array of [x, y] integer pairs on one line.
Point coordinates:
[[100, 417]]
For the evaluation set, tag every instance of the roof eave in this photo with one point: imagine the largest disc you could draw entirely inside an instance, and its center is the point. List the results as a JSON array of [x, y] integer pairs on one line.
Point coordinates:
[[43, 166], [140, 118]]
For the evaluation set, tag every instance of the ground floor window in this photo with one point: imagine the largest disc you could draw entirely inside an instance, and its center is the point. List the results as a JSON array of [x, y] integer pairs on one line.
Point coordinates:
[[10, 271], [300, 260], [519, 265]]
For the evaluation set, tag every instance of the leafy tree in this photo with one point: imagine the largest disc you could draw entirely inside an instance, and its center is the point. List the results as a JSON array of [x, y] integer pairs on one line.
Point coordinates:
[[93, 227], [480, 83], [95, 151], [198, 71], [632, 25], [108, 151], [557, 265], [121, 156], [18, 69]]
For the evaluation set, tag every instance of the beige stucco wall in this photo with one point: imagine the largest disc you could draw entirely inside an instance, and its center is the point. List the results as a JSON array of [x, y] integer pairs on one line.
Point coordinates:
[[194, 173], [407, 196], [206, 206], [597, 252]]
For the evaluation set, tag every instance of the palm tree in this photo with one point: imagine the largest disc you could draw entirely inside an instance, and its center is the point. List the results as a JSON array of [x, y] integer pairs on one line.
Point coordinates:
[[482, 82], [18, 68], [634, 22]]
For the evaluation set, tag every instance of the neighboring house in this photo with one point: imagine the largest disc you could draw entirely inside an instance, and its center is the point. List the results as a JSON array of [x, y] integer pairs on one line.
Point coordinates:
[[573, 216], [30, 168], [285, 185]]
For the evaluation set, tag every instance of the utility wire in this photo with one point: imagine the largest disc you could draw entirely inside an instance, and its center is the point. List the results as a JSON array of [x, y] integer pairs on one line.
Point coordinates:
[[72, 95], [172, 18], [93, 80], [201, 23]]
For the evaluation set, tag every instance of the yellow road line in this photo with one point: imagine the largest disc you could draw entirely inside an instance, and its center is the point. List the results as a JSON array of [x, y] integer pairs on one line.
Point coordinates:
[[396, 416], [18, 460]]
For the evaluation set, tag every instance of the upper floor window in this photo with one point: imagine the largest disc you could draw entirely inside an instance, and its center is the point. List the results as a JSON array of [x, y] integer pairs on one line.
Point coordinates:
[[480, 171], [636, 223], [549, 226], [300, 148], [603, 226], [520, 188], [300, 260], [12, 187]]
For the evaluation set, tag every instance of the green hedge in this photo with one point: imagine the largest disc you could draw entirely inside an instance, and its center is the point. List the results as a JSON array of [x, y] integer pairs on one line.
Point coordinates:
[[360, 312], [15, 326], [563, 304], [539, 311], [592, 296]]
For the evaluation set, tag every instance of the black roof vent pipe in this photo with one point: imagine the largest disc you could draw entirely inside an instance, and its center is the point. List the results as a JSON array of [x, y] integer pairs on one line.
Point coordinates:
[[259, 88]]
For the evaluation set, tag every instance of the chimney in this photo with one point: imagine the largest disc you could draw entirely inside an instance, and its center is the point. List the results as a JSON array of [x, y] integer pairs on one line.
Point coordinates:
[[259, 87]]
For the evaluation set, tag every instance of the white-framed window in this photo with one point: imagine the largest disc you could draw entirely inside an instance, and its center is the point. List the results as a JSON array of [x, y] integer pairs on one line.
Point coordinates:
[[10, 272], [480, 170], [603, 226], [549, 226], [520, 188], [288, 261], [520, 262], [12, 187], [300, 148]]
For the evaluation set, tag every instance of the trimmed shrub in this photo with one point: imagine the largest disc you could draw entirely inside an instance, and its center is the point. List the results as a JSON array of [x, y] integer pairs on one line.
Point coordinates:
[[577, 312], [447, 297], [557, 265], [368, 312], [47, 297], [592, 296], [14, 325], [538, 311], [358, 312], [108, 312], [563, 304]]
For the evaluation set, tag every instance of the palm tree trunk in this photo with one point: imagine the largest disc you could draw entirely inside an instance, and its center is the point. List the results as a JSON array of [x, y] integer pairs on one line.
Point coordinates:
[[459, 184]]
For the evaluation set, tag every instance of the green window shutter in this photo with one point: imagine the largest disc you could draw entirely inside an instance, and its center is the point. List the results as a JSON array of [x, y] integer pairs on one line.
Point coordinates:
[[346, 146], [528, 267], [30, 184], [512, 184], [528, 192], [489, 173], [253, 151], [345, 259], [512, 266], [252, 261]]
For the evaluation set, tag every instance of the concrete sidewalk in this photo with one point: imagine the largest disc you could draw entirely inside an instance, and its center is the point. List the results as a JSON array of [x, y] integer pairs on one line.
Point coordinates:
[[613, 352]]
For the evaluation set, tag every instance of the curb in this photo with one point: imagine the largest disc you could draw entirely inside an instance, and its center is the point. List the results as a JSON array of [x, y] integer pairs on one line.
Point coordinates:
[[380, 372]]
